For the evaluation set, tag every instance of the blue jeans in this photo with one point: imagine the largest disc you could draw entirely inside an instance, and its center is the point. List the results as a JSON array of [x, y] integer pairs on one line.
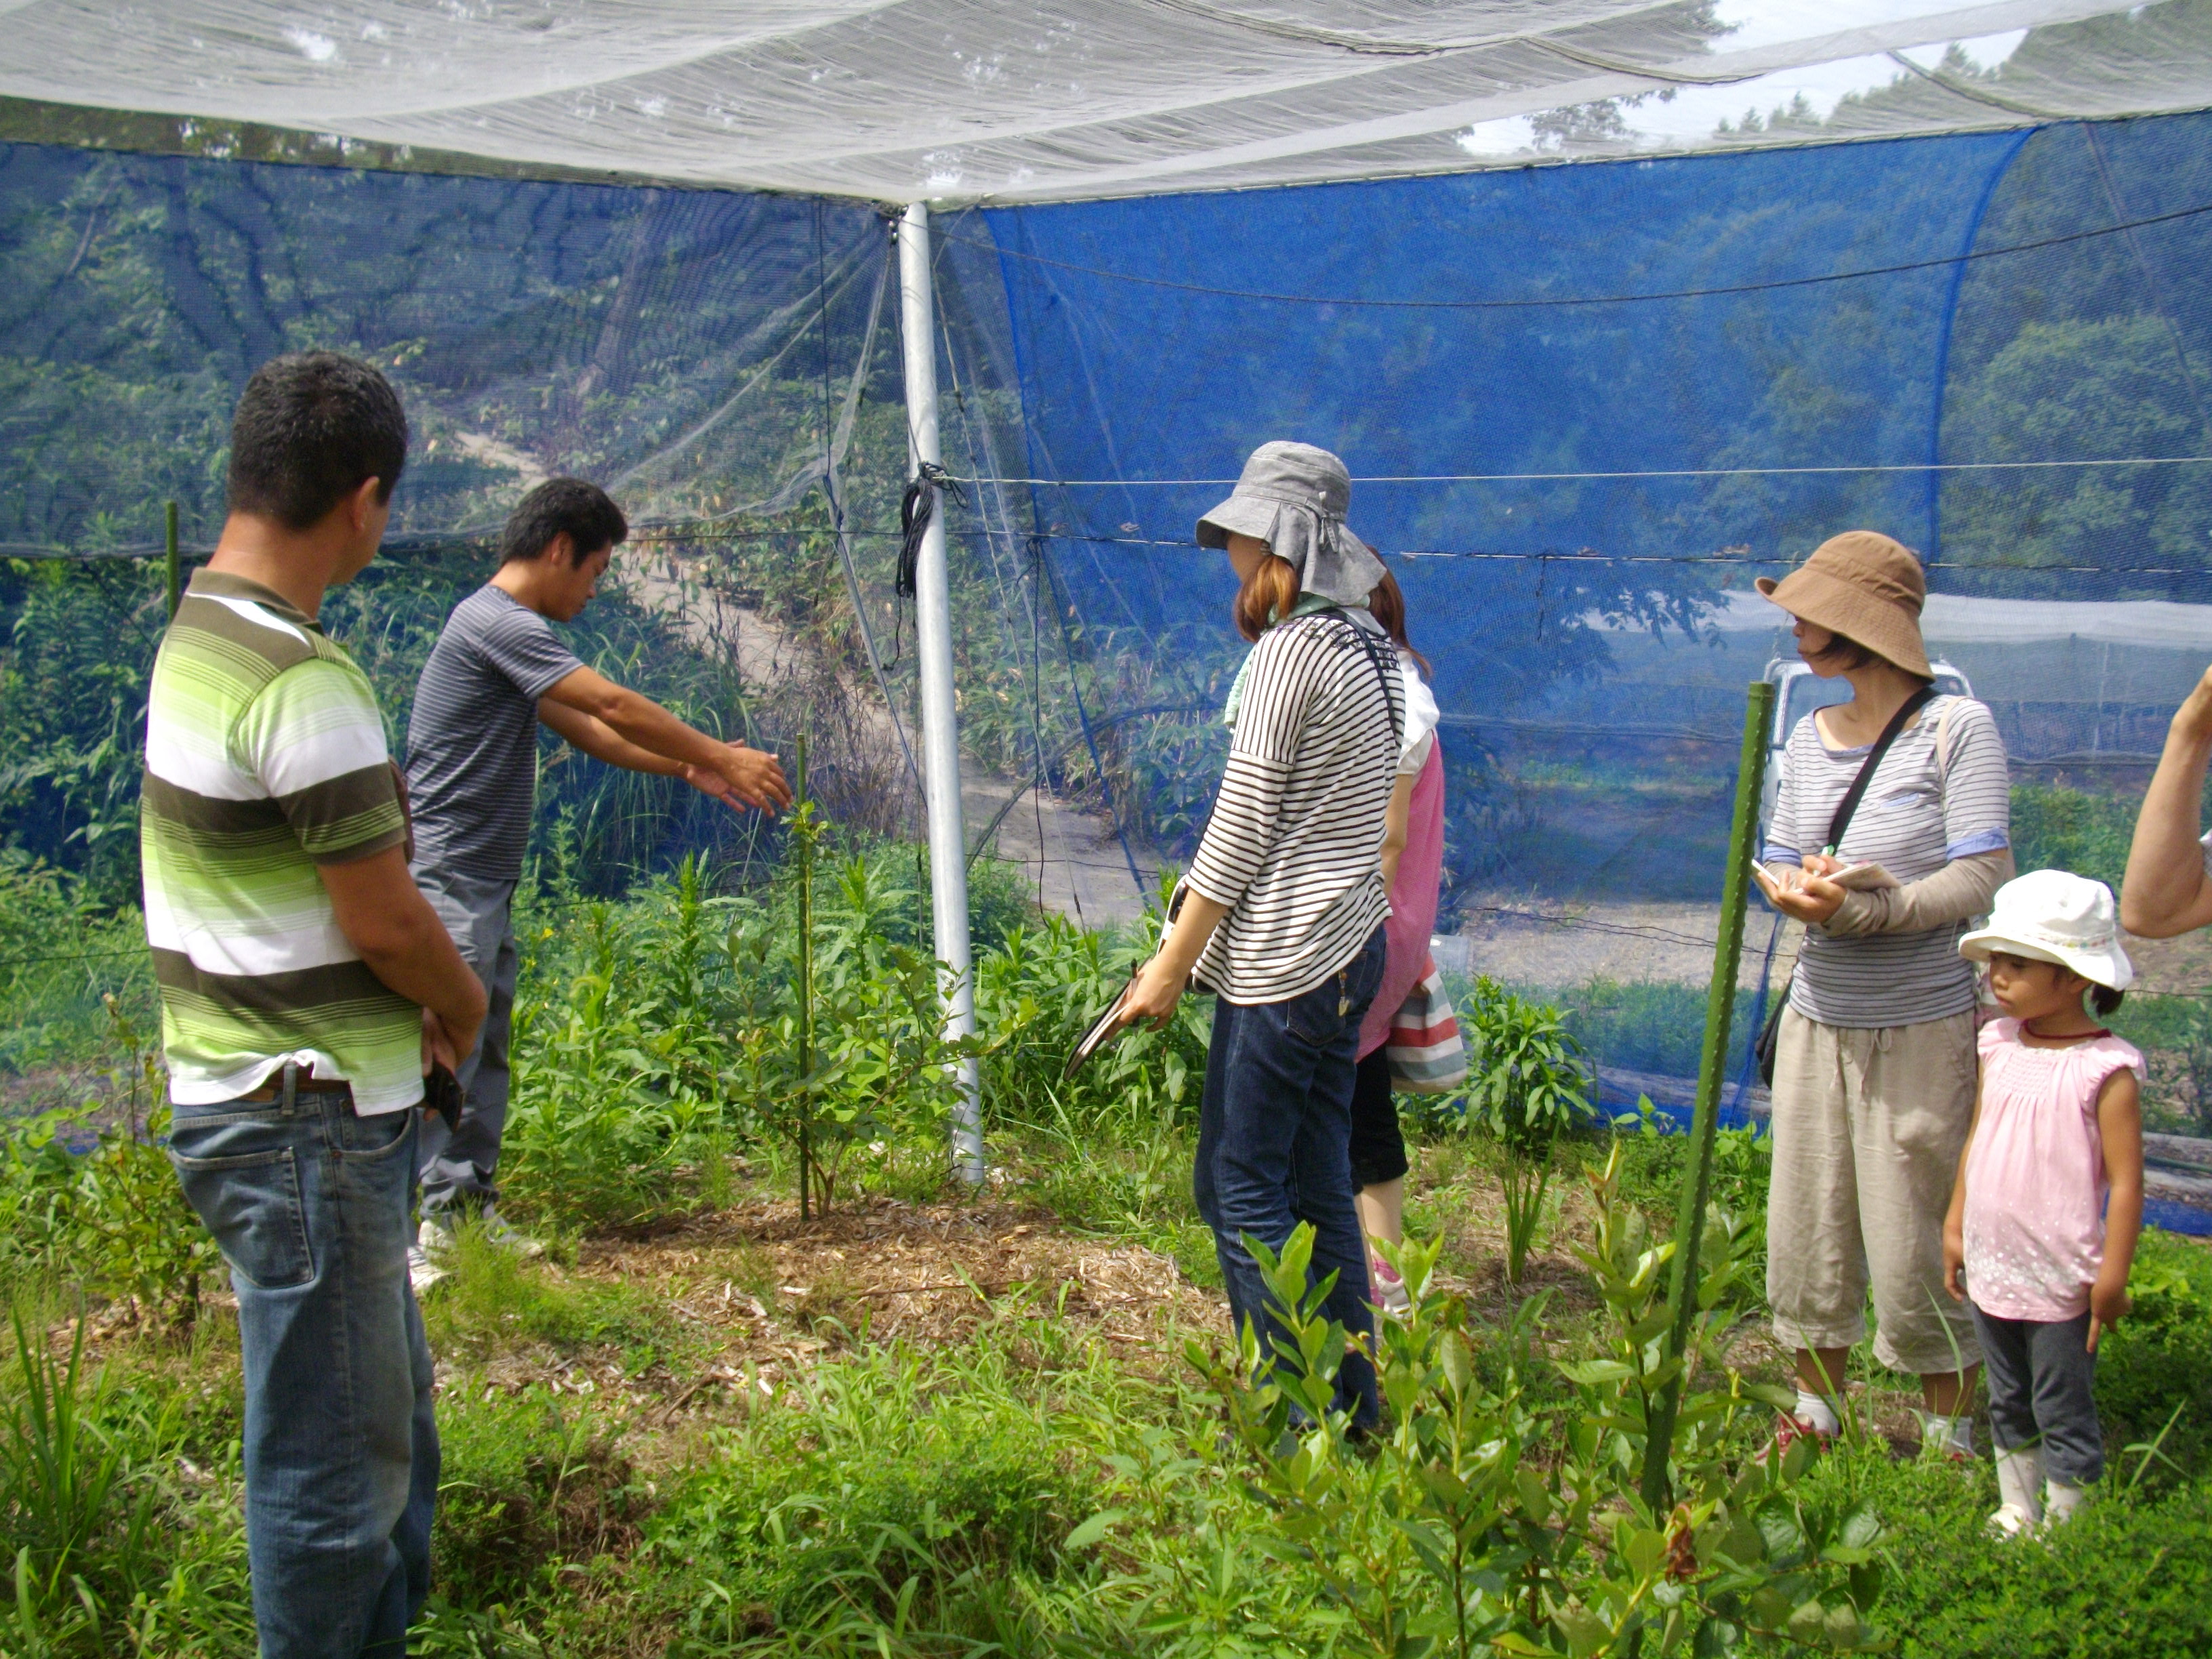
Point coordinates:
[[1274, 1136], [309, 1204]]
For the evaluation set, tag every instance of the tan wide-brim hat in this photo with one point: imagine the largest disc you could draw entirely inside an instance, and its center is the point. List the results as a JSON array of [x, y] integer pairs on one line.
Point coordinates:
[[1865, 586]]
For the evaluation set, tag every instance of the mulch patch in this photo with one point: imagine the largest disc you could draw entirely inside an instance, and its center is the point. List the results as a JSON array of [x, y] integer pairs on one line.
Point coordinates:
[[767, 1293]]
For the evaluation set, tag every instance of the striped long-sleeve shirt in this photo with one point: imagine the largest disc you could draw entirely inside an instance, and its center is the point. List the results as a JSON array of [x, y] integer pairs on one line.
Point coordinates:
[[1293, 846], [1942, 793]]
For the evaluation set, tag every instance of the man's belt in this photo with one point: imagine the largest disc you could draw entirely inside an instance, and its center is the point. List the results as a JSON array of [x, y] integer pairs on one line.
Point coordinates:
[[293, 1080]]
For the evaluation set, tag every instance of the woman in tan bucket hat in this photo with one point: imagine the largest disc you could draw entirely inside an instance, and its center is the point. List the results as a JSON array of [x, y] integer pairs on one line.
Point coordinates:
[[1874, 1069]]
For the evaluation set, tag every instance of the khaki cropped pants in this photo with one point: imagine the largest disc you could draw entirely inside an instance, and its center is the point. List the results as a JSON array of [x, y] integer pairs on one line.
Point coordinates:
[[1868, 1124]]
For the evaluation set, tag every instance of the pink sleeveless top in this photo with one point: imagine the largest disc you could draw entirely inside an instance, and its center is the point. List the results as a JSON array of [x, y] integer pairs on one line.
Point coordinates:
[[2035, 1175]]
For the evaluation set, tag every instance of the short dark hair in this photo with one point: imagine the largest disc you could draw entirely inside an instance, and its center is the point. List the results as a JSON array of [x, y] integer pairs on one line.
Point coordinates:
[[2105, 1000], [311, 426], [587, 512]]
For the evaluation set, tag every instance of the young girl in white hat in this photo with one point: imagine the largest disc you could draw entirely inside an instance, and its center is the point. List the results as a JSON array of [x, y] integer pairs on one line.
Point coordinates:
[[2057, 1131]]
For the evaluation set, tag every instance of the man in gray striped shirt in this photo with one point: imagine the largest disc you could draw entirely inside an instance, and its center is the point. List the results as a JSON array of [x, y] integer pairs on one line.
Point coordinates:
[[497, 673]]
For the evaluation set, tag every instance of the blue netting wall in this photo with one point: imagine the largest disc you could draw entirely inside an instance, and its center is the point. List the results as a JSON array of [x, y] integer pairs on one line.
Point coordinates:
[[1585, 405]]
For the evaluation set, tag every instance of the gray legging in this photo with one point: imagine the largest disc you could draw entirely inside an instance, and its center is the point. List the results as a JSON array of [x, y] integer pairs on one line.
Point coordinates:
[[456, 1167], [2040, 1393]]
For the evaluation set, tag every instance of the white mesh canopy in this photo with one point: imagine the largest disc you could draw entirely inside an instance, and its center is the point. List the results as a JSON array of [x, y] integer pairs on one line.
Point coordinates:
[[983, 99]]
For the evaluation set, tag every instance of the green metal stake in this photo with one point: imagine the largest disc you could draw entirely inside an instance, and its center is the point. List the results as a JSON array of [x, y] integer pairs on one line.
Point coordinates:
[[175, 567], [1720, 1010], [803, 837]]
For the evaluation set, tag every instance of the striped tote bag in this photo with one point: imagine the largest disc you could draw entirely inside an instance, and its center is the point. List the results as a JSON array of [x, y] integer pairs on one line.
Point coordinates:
[[1423, 1050]]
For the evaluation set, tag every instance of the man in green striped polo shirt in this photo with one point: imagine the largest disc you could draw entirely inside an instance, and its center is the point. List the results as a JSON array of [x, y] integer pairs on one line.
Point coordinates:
[[306, 984]]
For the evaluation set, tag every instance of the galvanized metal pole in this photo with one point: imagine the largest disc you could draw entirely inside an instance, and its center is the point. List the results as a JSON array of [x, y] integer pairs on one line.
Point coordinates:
[[1720, 1012], [940, 730]]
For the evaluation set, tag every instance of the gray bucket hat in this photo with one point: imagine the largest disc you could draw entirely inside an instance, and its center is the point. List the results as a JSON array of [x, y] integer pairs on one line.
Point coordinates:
[[1293, 496]]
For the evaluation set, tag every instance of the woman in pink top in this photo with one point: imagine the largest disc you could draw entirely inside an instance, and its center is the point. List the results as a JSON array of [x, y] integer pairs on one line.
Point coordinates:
[[2057, 1133], [1413, 869]]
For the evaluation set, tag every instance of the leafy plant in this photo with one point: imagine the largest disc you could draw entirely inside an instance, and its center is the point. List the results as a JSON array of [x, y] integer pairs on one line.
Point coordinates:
[[1487, 1522], [66, 1489], [1526, 1087]]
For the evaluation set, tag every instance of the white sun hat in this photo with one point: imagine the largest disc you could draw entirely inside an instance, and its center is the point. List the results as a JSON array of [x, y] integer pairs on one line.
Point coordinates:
[[2054, 915]]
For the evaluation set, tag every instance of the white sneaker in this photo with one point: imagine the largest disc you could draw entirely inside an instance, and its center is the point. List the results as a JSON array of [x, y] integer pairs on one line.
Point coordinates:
[[422, 1272]]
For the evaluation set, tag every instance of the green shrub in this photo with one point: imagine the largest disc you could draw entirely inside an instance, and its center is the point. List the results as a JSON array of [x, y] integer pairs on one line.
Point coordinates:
[[1035, 998], [1480, 1521], [111, 1219], [1654, 1163], [901, 1484], [2130, 1577], [1527, 1085], [2158, 1358]]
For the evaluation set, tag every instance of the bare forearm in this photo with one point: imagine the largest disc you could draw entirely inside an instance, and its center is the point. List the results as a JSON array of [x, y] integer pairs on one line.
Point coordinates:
[[384, 917], [649, 727], [419, 961], [1397, 828], [1188, 934], [2163, 891], [2123, 1227], [602, 743]]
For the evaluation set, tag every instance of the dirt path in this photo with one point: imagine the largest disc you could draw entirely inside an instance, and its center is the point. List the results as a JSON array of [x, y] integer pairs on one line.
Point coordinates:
[[1074, 857], [1556, 943]]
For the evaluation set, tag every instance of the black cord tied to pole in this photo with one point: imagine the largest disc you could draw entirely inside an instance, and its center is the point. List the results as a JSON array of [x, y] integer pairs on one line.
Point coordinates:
[[915, 508]]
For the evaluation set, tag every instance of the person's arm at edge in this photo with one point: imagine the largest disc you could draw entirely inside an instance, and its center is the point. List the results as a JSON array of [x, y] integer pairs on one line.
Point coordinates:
[[383, 916], [1954, 1219], [752, 774], [2119, 1127], [2166, 890], [1397, 824]]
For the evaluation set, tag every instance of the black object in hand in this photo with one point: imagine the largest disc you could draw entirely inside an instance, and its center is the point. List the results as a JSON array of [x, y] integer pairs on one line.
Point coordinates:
[[442, 1093]]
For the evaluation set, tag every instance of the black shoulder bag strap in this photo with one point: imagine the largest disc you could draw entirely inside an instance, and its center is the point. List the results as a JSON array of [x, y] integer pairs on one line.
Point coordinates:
[[1770, 1035], [1383, 657]]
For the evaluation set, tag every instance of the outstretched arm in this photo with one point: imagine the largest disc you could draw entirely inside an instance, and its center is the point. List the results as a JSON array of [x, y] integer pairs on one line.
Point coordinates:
[[2166, 891], [642, 725], [601, 741]]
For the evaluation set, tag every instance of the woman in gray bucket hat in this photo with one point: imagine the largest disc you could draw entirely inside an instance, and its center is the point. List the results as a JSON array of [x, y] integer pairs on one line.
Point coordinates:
[[1281, 913]]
